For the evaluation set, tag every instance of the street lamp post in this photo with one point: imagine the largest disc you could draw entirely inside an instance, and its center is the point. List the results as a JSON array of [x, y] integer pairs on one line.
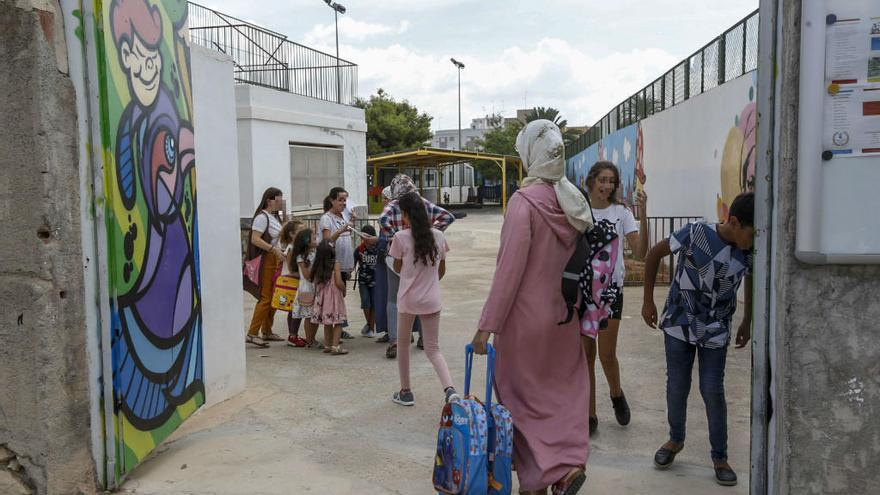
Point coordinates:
[[337, 9], [460, 66]]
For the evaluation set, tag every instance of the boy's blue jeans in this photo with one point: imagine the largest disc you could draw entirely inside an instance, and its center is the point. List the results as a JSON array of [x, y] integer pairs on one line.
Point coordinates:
[[679, 367]]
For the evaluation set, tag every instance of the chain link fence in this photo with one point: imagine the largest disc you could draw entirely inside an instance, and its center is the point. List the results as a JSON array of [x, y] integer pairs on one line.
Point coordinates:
[[727, 57]]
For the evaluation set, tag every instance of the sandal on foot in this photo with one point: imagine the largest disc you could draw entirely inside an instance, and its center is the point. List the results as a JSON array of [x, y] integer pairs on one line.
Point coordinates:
[[391, 352], [255, 340], [571, 484], [273, 337], [338, 350], [665, 455]]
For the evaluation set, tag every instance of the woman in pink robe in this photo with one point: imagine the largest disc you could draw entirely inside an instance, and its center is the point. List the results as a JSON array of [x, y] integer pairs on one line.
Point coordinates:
[[540, 369]]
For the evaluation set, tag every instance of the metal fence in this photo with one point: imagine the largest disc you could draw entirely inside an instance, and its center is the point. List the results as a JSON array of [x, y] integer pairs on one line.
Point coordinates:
[[265, 58], [310, 221], [659, 228], [730, 55]]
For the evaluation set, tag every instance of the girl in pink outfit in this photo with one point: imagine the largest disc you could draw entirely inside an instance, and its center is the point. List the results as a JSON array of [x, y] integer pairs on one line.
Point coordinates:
[[329, 307], [419, 253], [540, 367]]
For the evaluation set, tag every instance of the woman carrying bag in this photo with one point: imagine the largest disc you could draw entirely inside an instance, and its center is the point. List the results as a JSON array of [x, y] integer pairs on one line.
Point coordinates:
[[261, 262]]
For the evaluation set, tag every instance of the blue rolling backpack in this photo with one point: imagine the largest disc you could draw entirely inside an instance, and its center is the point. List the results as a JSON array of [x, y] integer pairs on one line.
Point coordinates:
[[475, 441]]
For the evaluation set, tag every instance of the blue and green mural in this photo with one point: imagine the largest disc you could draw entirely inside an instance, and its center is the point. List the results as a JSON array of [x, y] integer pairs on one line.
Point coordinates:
[[625, 149], [151, 220]]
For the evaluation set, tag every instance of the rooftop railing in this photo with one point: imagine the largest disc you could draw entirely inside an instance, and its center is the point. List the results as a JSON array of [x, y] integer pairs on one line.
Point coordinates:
[[265, 58]]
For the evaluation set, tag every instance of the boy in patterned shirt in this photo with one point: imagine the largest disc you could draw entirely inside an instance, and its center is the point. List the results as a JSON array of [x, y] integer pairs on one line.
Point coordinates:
[[713, 259]]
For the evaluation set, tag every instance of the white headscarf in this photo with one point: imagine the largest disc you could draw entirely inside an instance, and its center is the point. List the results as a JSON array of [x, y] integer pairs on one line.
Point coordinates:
[[542, 151], [386, 193]]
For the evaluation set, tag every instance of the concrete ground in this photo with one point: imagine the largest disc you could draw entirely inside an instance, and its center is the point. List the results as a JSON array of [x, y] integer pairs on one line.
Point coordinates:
[[312, 423]]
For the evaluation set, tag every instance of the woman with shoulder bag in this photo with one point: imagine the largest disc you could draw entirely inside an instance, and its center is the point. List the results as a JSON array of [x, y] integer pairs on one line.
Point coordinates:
[[265, 230]]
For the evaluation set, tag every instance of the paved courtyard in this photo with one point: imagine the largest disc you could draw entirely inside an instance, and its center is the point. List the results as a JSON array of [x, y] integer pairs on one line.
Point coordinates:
[[312, 423]]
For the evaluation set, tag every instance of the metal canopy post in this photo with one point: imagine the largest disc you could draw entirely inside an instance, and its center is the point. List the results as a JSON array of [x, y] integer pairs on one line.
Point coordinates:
[[503, 165]]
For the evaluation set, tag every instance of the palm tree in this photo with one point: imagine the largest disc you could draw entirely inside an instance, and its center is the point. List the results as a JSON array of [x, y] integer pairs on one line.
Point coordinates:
[[552, 114]]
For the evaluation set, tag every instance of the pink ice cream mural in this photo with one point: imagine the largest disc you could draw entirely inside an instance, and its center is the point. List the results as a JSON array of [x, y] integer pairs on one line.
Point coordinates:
[[738, 160]]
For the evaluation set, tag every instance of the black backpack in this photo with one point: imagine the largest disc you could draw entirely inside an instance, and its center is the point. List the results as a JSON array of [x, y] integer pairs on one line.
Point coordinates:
[[589, 273]]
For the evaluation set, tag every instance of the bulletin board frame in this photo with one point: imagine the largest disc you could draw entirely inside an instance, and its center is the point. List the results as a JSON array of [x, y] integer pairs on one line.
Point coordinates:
[[838, 196]]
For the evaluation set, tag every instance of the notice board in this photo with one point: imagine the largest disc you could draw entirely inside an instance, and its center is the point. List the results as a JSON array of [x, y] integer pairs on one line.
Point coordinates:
[[838, 203]]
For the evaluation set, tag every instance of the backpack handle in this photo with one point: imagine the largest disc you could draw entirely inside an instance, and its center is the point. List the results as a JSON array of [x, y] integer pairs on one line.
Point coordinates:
[[490, 371]]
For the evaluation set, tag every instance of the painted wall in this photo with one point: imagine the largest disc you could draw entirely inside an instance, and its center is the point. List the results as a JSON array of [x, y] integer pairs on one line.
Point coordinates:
[[269, 120], [147, 143], [219, 252], [694, 158]]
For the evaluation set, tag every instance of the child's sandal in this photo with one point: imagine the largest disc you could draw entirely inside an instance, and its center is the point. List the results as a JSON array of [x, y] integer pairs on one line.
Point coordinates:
[[338, 350]]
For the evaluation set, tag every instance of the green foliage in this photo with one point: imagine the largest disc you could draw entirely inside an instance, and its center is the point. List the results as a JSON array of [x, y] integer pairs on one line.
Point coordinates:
[[549, 113], [393, 125], [501, 140]]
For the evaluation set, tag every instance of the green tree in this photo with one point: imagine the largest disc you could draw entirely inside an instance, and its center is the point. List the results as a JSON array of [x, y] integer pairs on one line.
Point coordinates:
[[393, 125], [553, 115], [501, 140]]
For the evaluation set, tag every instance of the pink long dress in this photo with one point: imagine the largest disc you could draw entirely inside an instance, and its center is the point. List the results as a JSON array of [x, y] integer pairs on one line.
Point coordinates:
[[541, 369]]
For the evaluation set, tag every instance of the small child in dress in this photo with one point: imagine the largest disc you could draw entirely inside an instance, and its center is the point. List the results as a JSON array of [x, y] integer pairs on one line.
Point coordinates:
[[289, 269], [365, 259], [329, 307], [303, 255]]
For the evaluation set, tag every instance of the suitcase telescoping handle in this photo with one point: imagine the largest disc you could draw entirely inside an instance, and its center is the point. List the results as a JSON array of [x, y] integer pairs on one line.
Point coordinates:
[[490, 371]]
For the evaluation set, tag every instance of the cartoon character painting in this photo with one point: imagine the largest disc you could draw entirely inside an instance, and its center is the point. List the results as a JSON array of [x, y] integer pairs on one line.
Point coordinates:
[[149, 180], [738, 158]]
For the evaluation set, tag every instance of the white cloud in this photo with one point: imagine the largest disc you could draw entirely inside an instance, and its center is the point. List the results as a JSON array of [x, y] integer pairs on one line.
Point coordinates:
[[552, 72], [351, 30], [627, 149]]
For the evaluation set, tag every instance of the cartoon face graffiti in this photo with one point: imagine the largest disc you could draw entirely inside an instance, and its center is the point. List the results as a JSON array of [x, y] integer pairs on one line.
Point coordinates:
[[144, 67], [137, 32]]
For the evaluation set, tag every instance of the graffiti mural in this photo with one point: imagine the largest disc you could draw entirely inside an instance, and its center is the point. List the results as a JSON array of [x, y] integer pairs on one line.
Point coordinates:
[[625, 149], [151, 221], [738, 158]]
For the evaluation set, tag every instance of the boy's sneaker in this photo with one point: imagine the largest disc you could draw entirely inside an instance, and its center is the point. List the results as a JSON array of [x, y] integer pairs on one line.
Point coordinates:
[[346, 335], [621, 409], [295, 341], [724, 474], [452, 395], [383, 339], [366, 332], [404, 398], [665, 455]]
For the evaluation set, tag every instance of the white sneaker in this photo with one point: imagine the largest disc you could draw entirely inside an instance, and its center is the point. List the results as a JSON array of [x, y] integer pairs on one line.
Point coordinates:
[[366, 332]]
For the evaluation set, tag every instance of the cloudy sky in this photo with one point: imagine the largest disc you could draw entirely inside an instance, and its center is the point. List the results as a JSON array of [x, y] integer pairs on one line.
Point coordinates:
[[580, 56]]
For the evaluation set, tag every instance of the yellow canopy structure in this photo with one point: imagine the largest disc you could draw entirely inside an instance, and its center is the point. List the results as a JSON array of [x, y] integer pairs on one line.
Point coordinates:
[[438, 159]]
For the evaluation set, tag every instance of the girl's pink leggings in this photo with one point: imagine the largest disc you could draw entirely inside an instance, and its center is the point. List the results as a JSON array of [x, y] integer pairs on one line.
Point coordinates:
[[431, 339]]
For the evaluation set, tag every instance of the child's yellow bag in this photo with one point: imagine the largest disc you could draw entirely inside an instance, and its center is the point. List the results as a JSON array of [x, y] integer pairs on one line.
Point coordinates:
[[285, 292]]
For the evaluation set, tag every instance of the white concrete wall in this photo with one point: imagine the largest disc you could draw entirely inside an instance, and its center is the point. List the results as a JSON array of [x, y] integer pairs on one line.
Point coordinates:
[[692, 154], [684, 148], [270, 120], [218, 212]]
